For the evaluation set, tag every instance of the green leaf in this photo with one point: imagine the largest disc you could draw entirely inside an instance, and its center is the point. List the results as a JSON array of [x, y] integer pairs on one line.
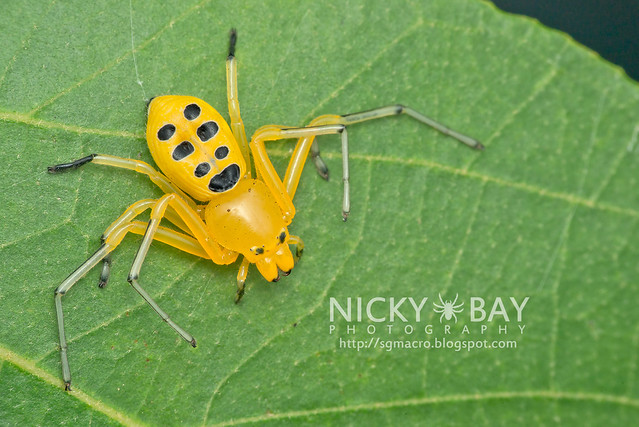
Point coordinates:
[[548, 211]]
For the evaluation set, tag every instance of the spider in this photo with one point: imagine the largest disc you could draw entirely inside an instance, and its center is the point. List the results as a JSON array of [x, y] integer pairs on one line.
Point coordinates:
[[224, 208], [448, 308]]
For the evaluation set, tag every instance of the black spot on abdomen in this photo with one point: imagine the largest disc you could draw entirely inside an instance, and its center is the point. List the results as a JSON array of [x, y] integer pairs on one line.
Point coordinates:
[[207, 130], [226, 179], [192, 111], [202, 169], [221, 152], [166, 132], [184, 149]]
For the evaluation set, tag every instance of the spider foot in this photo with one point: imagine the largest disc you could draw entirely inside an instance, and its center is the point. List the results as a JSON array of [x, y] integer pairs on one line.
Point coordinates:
[[240, 291], [320, 165], [106, 271], [71, 165]]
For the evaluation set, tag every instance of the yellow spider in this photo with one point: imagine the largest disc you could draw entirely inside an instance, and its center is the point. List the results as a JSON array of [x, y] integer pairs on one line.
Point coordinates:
[[205, 160]]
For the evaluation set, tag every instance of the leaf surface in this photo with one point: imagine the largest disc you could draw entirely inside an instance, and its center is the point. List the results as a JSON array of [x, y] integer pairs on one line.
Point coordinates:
[[548, 211]]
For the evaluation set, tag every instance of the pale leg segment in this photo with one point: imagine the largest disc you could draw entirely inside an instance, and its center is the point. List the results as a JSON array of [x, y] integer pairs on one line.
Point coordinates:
[[299, 247], [135, 165], [132, 212], [237, 125], [60, 292], [175, 209], [192, 220], [241, 279], [394, 110], [156, 216], [68, 283], [306, 144], [265, 168]]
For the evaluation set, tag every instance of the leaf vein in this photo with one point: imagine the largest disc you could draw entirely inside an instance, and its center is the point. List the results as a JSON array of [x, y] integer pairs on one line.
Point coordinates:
[[438, 400], [456, 262], [30, 367]]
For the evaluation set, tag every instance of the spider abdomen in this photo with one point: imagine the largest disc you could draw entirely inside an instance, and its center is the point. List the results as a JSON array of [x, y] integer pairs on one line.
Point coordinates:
[[193, 146]]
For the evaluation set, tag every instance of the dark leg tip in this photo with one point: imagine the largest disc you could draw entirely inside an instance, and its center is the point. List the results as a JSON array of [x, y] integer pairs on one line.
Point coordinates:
[[67, 386], [479, 146], [72, 165], [232, 41], [345, 216], [238, 296], [323, 172], [193, 343], [276, 279], [102, 283], [286, 273], [320, 165]]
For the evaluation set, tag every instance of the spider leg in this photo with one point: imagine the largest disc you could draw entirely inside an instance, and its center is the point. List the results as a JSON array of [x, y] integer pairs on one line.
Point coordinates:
[[134, 274], [441, 300], [241, 278], [193, 221], [196, 227], [237, 125], [180, 213], [105, 273], [135, 165], [60, 291], [306, 144], [265, 168], [132, 212], [299, 247]]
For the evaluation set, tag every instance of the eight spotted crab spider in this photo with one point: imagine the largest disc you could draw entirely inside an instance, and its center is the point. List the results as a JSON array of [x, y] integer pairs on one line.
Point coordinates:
[[223, 211]]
